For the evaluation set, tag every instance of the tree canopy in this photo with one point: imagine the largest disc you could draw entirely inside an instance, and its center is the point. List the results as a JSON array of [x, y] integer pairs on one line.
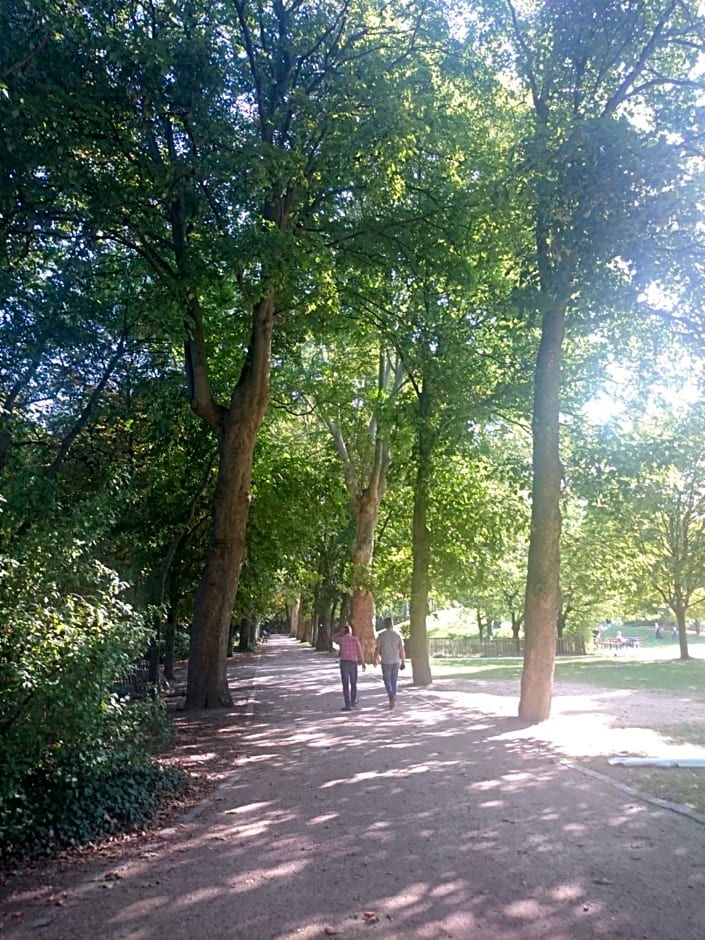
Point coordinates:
[[304, 305]]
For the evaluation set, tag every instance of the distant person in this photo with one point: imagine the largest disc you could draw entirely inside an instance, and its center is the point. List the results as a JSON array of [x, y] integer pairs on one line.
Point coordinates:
[[350, 656], [674, 632], [657, 631], [390, 650]]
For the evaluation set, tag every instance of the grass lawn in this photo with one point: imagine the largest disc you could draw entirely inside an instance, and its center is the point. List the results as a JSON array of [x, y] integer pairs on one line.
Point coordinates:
[[654, 667], [624, 671]]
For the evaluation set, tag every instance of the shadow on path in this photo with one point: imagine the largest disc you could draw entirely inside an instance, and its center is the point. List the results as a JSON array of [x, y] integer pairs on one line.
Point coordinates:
[[428, 821]]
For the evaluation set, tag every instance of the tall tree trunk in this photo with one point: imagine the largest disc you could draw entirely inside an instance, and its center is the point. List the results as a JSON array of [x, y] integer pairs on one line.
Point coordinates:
[[325, 620], [169, 640], [293, 615], [323, 634], [362, 614], [237, 429], [682, 634], [562, 621], [301, 626], [543, 575], [421, 546]]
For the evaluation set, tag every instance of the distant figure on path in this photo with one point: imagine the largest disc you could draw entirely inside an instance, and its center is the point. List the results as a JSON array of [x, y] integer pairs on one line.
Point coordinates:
[[390, 650], [350, 655]]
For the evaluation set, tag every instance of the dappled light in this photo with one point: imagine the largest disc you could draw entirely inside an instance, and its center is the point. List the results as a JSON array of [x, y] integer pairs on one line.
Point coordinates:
[[439, 819]]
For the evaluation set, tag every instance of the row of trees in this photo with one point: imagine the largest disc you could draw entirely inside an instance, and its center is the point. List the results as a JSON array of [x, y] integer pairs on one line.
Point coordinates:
[[393, 252]]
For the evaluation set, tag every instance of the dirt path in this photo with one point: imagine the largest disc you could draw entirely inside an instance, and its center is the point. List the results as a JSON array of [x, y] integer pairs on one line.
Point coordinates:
[[444, 818]]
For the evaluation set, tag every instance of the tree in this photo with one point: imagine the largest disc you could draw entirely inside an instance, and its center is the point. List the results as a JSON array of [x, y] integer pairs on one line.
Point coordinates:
[[360, 425], [671, 540], [218, 143], [300, 527], [606, 163], [657, 491]]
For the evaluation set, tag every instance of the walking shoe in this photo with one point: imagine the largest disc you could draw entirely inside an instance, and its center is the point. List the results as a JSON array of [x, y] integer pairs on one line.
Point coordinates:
[[346, 708]]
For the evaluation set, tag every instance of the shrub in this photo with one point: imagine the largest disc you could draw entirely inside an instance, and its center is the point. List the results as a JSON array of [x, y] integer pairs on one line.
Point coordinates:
[[57, 806], [75, 759]]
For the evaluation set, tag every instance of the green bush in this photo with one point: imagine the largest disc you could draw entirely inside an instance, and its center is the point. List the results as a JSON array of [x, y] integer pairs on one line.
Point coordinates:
[[75, 759], [54, 807]]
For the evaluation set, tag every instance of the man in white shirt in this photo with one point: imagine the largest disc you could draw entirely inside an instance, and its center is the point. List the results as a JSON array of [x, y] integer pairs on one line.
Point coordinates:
[[390, 650]]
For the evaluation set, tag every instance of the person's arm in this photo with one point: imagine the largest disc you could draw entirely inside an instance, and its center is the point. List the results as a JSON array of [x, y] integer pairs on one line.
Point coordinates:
[[376, 656], [402, 653]]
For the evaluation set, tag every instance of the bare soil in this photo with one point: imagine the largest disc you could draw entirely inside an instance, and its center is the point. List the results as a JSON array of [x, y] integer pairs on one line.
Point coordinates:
[[446, 817]]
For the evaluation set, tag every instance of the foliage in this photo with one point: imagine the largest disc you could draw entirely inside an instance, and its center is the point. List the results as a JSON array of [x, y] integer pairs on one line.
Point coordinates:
[[396, 187], [58, 805], [68, 636], [298, 535]]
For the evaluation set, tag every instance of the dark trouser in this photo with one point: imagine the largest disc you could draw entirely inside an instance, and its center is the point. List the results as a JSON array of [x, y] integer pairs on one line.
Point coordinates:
[[390, 674], [348, 674]]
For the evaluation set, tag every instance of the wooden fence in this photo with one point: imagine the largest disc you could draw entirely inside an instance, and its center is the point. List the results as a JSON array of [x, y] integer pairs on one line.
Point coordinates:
[[460, 647]]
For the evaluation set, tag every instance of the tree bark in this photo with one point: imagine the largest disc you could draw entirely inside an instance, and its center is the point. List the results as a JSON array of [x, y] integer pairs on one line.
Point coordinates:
[[682, 634], [169, 640], [237, 429], [362, 615], [324, 632], [421, 547], [543, 575]]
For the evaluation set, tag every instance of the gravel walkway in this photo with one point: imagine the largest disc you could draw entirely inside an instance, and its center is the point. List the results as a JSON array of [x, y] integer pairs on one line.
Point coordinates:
[[435, 820]]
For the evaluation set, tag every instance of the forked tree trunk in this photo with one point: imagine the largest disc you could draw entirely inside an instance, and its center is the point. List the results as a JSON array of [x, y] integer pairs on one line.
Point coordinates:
[[365, 497], [237, 428], [543, 575]]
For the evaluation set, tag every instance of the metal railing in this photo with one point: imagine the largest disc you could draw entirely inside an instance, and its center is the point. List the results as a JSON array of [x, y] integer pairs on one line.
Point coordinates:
[[459, 647]]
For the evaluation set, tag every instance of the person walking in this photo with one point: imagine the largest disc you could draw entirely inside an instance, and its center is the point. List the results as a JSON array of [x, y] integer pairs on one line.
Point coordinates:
[[350, 654], [390, 650]]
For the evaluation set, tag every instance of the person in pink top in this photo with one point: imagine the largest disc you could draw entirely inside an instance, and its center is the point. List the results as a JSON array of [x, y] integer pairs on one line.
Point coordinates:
[[350, 655]]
